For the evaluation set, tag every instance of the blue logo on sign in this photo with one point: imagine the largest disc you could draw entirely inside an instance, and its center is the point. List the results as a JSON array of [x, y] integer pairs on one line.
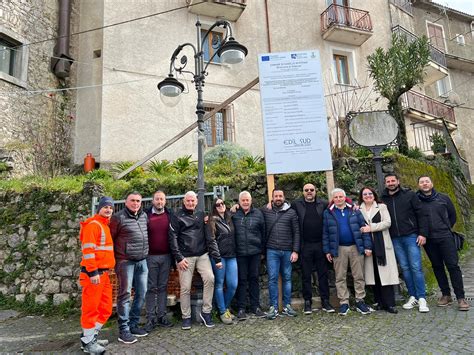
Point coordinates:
[[265, 58], [293, 56]]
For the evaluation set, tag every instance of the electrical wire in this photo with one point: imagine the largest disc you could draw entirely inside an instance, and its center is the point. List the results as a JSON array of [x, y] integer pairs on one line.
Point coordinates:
[[19, 47], [52, 90]]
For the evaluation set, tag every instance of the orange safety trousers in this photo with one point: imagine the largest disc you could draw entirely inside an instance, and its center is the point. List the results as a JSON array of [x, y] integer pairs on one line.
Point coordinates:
[[96, 300]]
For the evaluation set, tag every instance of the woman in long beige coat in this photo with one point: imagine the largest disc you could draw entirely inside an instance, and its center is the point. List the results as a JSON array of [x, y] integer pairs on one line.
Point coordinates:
[[381, 267]]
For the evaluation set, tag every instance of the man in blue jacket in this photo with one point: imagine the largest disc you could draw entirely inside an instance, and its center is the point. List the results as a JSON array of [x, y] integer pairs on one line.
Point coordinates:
[[283, 247], [344, 244]]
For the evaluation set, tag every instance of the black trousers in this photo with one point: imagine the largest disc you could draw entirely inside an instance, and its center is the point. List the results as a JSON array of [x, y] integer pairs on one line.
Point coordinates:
[[384, 295], [249, 270], [312, 257], [442, 253]]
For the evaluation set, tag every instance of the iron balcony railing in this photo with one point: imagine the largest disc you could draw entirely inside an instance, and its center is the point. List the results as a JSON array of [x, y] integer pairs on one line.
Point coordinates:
[[436, 55], [421, 103], [405, 5], [345, 16]]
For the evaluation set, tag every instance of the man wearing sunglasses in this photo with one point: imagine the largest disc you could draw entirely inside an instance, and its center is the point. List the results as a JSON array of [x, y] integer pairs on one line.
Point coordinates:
[[310, 210]]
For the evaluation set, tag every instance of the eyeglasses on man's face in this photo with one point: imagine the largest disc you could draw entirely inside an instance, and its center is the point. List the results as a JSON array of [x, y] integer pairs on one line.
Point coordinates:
[[308, 190]]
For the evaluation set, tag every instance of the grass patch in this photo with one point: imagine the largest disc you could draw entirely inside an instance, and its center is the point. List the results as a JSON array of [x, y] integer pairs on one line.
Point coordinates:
[[29, 306]]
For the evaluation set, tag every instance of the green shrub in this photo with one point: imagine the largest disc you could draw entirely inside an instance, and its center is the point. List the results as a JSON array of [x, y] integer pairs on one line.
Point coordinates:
[[252, 163], [228, 150], [122, 166], [160, 167], [184, 164], [415, 153], [223, 166], [98, 174], [362, 152]]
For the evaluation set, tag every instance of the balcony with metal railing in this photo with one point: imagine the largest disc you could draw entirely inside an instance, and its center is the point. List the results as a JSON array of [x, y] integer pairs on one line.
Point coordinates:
[[226, 9], [426, 108], [346, 25], [437, 67], [405, 5]]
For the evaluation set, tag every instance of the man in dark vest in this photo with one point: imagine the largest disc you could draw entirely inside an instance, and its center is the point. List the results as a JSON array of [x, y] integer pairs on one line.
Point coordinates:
[[129, 232]]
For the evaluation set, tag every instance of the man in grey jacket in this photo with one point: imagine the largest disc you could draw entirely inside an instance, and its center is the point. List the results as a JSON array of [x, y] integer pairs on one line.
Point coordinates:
[[129, 231], [282, 245]]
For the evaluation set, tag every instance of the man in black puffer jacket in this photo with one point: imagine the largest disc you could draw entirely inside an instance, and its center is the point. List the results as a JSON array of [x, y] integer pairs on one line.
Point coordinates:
[[249, 228], [283, 246], [191, 244], [129, 231], [440, 246]]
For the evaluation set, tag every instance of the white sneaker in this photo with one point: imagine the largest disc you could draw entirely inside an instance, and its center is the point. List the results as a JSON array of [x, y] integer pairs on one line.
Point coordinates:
[[422, 306], [411, 303]]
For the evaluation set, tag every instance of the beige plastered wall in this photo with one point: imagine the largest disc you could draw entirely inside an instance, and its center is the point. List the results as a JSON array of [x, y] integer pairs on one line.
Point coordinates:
[[127, 114]]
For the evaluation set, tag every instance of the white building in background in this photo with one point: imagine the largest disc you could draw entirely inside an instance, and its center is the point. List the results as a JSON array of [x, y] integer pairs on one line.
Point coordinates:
[[117, 111], [124, 119]]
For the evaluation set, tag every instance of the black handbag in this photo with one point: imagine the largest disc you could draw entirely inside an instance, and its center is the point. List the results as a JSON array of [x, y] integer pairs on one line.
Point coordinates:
[[458, 240]]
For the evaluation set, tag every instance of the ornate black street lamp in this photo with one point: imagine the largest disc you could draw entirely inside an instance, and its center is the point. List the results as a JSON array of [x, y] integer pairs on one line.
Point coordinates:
[[230, 52]]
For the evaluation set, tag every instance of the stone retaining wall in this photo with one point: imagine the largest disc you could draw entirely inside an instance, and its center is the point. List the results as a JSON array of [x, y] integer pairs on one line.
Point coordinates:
[[39, 245]]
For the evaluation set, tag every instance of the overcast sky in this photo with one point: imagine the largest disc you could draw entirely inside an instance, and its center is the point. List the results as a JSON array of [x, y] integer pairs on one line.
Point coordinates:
[[466, 6]]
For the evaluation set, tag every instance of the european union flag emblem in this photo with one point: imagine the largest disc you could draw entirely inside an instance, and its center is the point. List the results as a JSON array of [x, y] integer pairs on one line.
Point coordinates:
[[265, 58]]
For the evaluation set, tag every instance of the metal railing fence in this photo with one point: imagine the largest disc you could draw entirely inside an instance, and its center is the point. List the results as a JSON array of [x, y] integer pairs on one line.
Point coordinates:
[[173, 202]]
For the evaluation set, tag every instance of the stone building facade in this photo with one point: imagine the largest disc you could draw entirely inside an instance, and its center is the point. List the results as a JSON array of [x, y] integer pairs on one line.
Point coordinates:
[[29, 100], [122, 51], [125, 119], [451, 32]]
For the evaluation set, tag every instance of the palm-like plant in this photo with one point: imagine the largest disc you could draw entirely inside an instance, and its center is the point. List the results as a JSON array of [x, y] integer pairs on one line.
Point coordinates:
[[183, 164], [124, 165], [160, 167]]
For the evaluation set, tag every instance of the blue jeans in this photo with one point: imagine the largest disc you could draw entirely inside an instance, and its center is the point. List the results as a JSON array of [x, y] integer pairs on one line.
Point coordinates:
[[278, 261], [130, 274], [408, 255], [228, 273]]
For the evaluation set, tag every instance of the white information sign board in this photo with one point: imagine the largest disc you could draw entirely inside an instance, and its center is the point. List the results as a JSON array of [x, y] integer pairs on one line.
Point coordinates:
[[294, 112]]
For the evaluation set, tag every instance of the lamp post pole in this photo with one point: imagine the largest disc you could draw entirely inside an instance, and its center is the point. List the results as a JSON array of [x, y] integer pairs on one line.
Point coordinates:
[[199, 81], [230, 52]]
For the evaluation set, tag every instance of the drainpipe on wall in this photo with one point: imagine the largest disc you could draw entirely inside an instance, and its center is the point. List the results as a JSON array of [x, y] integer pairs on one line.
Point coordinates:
[[61, 61]]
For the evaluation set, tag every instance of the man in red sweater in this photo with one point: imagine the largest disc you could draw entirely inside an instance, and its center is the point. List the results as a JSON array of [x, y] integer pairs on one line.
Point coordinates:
[[97, 259], [158, 262]]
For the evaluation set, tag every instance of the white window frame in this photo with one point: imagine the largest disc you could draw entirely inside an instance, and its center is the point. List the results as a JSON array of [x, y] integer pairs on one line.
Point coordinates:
[[352, 67], [445, 50], [20, 64], [460, 39], [447, 83], [205, 27]]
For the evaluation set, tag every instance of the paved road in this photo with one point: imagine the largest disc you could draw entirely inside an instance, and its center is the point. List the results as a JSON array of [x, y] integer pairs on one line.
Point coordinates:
[[443, 330]]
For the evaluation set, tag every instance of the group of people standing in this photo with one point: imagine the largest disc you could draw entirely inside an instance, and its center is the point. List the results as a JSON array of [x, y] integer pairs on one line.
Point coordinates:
[[227, 248]]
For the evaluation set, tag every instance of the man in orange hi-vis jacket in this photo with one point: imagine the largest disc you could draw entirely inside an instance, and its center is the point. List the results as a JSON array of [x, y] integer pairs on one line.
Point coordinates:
[[97, 259]]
